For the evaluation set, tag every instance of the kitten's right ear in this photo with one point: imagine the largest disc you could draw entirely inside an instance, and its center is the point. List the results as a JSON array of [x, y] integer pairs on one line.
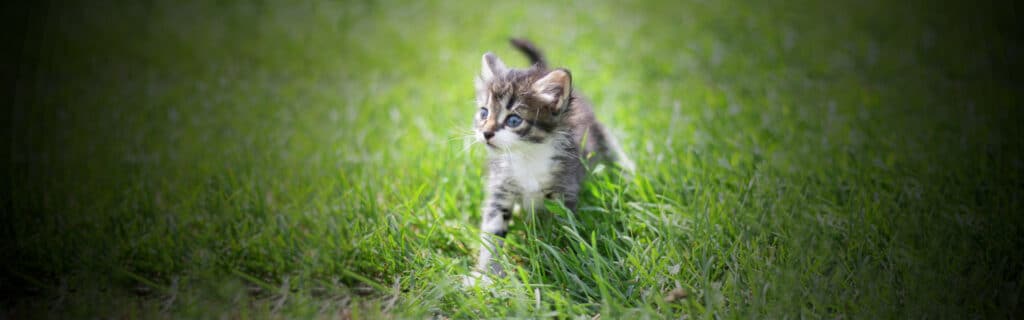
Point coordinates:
[[555, 88], [492, 66]]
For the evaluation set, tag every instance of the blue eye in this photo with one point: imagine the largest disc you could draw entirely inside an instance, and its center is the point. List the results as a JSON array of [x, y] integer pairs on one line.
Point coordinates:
[[513, 121], [483, 113]]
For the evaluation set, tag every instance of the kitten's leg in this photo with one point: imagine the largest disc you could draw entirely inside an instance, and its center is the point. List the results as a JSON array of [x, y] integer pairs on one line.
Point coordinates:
[[605, 144], [532, 205], [494, 225], [568, 197]]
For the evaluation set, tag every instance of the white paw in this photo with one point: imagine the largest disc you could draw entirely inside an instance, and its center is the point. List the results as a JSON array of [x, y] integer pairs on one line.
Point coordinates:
[[476, 278]]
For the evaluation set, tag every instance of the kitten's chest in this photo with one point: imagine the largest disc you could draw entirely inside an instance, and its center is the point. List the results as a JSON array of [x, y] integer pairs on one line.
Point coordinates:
[[532, 169]]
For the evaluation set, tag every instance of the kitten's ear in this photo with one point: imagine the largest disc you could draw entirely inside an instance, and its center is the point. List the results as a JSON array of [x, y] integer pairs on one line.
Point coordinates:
[[555, 88], [492, 66]]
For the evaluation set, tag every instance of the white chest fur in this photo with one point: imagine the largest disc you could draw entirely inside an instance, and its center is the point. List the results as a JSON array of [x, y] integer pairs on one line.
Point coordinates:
[[532, 168]]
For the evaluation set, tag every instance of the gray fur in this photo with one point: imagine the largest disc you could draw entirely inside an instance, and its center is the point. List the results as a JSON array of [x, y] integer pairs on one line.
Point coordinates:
[[556, 119]]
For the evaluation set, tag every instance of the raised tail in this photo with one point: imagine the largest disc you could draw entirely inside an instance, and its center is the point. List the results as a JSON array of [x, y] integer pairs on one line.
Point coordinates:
[[531, 51]]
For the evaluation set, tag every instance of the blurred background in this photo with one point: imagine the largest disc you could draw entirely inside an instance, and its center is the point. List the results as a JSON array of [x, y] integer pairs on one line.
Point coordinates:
[[796, 158]]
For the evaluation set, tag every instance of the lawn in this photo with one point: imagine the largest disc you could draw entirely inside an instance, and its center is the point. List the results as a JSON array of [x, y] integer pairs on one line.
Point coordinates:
[[202, 159]]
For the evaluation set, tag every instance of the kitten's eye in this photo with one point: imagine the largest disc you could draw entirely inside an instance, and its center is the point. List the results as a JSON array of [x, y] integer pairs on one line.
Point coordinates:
[[513, 121], [483, 113]]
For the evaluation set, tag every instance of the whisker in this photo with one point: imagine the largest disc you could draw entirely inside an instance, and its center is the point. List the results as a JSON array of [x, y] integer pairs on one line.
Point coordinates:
[[468, 136], [468, 147]]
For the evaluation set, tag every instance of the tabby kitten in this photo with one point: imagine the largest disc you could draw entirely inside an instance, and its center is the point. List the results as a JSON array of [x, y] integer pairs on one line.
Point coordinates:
[[538, 131]]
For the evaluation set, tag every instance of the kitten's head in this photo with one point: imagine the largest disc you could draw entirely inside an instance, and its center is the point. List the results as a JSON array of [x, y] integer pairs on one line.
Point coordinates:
[[518, 107]]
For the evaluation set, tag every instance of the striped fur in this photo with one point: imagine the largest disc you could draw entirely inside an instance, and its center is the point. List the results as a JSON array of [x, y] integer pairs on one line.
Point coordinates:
[[541, 158]]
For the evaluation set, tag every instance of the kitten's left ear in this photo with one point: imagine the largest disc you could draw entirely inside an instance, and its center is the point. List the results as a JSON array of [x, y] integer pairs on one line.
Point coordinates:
[[555, 88], [491, 66]]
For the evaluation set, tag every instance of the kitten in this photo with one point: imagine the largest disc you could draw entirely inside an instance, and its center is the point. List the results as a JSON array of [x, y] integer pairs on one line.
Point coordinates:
[[533, 124]]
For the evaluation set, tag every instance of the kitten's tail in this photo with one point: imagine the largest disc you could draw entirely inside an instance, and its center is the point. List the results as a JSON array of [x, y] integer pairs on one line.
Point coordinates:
[[531, 51]]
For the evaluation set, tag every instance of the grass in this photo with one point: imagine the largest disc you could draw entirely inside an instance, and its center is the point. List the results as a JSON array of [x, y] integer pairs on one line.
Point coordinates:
[[795, 159]]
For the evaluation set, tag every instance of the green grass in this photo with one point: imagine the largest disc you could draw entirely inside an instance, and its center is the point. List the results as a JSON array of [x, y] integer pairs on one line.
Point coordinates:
[[200, 159]]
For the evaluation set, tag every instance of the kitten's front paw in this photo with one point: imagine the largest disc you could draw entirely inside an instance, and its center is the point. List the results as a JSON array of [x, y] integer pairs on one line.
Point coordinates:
[[476, 278]]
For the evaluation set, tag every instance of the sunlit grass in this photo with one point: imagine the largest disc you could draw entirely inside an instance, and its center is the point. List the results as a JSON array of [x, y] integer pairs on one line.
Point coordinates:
[[274, 159]]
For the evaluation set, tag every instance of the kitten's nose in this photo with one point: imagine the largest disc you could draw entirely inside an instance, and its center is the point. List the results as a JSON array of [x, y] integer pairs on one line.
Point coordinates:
[[488, 135]]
